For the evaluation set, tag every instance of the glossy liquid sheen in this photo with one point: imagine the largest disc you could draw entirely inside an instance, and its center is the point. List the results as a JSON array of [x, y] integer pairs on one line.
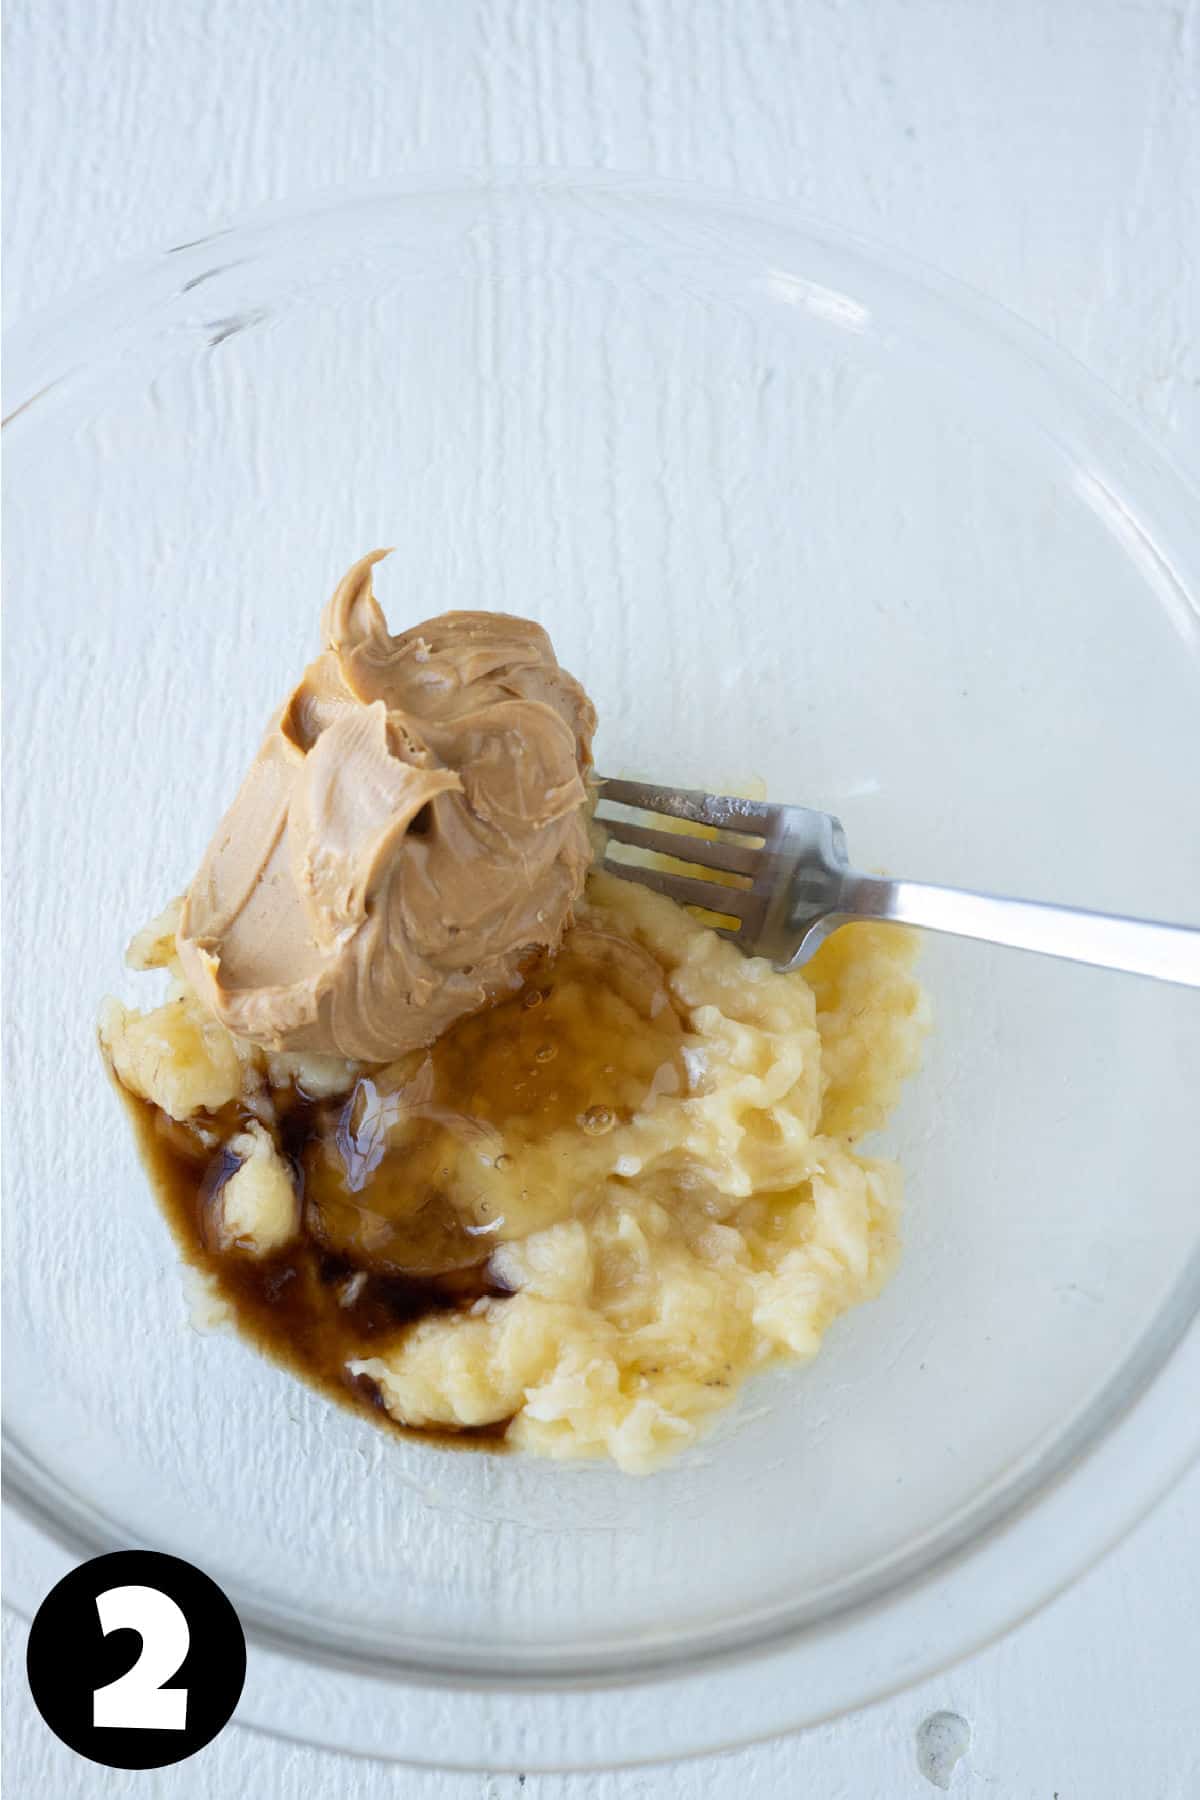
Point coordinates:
[[405, 1183]]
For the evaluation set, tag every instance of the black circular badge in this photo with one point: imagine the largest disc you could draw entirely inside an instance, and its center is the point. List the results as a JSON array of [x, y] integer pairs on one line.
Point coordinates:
[[136, 1659]]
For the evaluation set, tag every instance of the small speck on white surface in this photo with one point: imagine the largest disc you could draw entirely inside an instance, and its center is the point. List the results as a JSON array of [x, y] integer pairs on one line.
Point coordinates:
[[1049, 155], [943, 1739]]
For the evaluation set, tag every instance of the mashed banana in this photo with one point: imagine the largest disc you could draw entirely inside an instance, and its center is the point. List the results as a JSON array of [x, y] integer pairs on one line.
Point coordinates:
[[723, 1222], [734, 1225]]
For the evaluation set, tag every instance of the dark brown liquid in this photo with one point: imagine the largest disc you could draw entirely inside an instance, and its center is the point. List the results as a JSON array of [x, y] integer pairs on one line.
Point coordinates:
[[290, 1304], [401, 1181], [383, 1243]]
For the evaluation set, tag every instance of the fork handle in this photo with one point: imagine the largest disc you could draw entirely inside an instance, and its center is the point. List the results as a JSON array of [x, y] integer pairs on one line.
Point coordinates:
[[1140, 946]]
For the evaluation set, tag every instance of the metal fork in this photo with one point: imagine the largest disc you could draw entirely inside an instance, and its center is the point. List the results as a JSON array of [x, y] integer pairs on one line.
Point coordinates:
[[795, 886]]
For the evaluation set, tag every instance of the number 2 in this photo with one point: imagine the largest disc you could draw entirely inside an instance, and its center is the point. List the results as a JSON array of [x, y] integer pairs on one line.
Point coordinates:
[[137, 1701]]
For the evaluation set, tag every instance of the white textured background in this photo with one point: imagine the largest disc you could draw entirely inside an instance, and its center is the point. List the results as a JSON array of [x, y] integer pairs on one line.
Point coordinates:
[[1050, 155]]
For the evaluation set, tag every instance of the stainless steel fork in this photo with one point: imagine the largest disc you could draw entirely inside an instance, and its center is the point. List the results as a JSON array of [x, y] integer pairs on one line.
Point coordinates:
[[793, 885]]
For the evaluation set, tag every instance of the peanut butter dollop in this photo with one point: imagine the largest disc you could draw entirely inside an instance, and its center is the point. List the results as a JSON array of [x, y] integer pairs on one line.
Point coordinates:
[[410, 832]]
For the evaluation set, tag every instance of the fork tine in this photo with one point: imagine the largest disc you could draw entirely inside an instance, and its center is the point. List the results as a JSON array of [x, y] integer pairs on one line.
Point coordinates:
[[734, 859], [737, 903], [725, 811]]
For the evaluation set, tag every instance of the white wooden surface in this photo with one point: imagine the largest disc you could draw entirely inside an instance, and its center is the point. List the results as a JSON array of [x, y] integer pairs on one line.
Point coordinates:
[[1050, 155]]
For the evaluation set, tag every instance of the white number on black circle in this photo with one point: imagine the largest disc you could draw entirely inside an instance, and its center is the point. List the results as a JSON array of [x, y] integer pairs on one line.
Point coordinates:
[[137, 1700]]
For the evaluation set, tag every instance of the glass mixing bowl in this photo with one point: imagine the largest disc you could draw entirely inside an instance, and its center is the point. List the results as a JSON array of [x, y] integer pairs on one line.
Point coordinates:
[[794, 511]]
